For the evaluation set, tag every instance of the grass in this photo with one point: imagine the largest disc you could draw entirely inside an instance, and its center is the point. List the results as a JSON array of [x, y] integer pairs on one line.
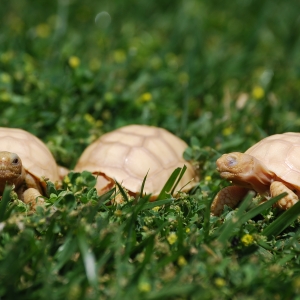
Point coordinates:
[[219, 74]]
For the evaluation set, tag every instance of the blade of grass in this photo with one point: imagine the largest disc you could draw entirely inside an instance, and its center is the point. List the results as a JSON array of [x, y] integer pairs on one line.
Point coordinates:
[[143, 185], [241, 218], [123, 193], [227, 228], [168, 185], [260, 208], [179, 178], [4, 202], [282, 222], [88, 259], [150, 205]]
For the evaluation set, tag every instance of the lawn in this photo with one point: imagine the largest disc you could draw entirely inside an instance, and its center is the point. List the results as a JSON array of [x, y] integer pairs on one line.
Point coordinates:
[[221, 75]]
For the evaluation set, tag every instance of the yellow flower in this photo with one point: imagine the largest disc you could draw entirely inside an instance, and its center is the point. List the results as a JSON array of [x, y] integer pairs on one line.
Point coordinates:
[[4, 96], [227, 131], [188, 230], [207, 178], [156, 208], [5, 78], [74, 62], [119, 56], [108, 97], [118, 213], [144, 287], [67, 180], [258, 92], [183, 78], [181, 261], [89, 118], [42, 30], [247, 239], [220, 282], [146, 97], [172, 238], [6, 57]]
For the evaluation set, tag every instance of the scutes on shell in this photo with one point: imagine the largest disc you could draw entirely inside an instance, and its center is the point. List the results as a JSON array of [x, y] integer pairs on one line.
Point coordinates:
[[36, 157], [129, 152]]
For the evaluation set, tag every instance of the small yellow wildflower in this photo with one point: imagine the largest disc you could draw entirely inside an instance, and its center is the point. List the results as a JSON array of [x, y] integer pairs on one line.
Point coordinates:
[[249, 129], [5, 78], [144, 287], [74, 292], [183, 78], [172, 238], [188, 230], [156, 208], [140, 257], [108, 97], [5, 96], [74, 62], [42, 30], [106, 115], [146, 97], [119, 56], [67, 180], [220, 282], [6, 56], [207, 178], [181, 261], [89, 118], [247, 239], [258, 92], [227, 131], [296, 283], [118, 213]]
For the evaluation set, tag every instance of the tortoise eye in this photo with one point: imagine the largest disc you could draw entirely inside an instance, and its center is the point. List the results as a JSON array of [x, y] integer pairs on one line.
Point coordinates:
[[232, 161], [15, 161]]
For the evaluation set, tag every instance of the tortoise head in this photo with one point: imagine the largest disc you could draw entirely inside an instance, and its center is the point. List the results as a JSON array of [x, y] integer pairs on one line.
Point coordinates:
[[245, 170], [11, 170]]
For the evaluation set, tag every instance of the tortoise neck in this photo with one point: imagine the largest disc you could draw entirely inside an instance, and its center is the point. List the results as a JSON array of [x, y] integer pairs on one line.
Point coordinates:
[[262, 177], [258, 177]]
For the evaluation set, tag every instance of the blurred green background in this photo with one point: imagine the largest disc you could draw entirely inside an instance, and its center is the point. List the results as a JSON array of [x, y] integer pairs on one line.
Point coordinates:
[[226, 72]]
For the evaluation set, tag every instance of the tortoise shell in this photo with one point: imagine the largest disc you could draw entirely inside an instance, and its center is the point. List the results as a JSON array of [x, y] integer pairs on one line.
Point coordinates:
[[128, 153], [280, 153], [36, 157]]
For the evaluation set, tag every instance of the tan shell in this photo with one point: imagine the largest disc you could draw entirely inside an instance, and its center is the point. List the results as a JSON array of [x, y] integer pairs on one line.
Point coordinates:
[[35, 156], [280, 153], [127, 153]]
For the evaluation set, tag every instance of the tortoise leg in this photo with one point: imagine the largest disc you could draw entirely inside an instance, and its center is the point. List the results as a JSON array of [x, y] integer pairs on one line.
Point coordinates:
[[33, 197], [288, 201], [229, 196]]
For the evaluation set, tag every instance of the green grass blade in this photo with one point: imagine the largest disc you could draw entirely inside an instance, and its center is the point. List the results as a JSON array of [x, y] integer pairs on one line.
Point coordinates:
[[88, 259], [260, 208], [282, 222], [143, 185], [227, 228], [184, 168], [123, 193], [4, 202], [150, 205], [241, 217], [165, 192]]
